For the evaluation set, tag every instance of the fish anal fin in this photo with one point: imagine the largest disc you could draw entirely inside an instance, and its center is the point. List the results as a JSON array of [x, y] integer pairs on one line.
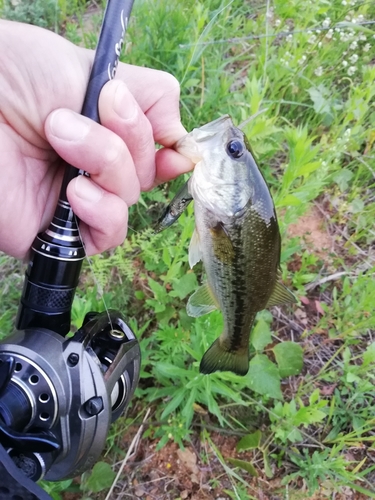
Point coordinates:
[[222, 245], [281, 295], [201, 302], [195, 251], [219, 358]]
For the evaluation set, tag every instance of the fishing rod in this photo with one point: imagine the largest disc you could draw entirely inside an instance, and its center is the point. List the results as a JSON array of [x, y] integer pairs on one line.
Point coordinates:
[[58, 394], [57, 254]]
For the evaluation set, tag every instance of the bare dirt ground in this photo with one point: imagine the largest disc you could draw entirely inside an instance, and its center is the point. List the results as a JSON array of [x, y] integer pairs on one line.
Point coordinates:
[[172, 474], [311, 228]]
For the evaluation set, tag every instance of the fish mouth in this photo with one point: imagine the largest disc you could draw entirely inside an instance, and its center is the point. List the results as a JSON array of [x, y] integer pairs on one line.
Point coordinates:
[[209, 130], [189, 144]]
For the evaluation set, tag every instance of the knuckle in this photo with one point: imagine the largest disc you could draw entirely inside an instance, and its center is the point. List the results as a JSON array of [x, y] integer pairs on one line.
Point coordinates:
[[113, 233], [171, 84]]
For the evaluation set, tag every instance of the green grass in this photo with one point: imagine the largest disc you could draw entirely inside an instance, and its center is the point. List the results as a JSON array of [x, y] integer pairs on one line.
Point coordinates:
[[305, 72]]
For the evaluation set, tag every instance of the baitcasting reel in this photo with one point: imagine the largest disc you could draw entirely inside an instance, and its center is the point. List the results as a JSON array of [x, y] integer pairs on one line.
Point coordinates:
[[58, 396]]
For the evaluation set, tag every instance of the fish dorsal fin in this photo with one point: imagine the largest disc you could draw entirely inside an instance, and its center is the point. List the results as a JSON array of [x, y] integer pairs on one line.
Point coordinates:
[[195, 251], [280, 295], [201, 302], [222, 245]]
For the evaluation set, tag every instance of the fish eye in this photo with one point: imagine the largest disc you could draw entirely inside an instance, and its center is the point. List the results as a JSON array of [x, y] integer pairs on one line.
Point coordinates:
[[235, 148]]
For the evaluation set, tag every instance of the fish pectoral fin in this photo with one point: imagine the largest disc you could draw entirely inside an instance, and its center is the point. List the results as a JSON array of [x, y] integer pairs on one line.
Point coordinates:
[[195, 251], [218, 358], [280, 295], [201, 302], [222, 245]]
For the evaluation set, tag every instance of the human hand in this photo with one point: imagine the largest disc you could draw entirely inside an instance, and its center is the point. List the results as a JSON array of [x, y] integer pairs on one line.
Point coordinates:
[[43, 79]]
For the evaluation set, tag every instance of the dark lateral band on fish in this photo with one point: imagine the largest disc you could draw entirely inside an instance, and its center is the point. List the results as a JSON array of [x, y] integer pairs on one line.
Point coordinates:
[[236, 236]]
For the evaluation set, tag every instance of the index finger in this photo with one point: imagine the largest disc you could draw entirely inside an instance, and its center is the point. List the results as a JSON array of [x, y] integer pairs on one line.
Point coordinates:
[[158, 95]]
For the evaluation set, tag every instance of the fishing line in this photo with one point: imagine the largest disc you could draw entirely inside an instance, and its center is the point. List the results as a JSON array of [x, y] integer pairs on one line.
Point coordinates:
[[281, 34], [98, 284]]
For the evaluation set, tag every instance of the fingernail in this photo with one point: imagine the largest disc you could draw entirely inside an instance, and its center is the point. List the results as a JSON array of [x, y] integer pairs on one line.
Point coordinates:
[[87, 190], [124, 103], [68, 126]]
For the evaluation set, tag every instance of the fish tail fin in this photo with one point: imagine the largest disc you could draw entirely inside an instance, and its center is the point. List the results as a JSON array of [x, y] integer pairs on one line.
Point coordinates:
[[220, 358]]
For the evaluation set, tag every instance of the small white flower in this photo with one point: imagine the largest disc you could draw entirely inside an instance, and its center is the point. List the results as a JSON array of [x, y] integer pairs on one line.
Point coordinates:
[[302, 60], [353, 59], [367, 47], [317, 32], [347, 132], [319, 71], [362, 37], [352, 70], [329, 34], [320, 44], [289, 38], [338, 30], [345, 63], [354, 20], [360, 18], [312, 39], [278, 22], [353, 45], [343, 2], [326, 22], [343, 36]]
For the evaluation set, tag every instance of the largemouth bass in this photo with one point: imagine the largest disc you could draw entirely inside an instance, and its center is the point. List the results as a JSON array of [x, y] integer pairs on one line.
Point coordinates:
[[236, 236]]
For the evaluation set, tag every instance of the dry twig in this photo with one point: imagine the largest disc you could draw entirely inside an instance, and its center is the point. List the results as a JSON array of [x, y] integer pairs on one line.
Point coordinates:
[[132, 447], [331, 277]]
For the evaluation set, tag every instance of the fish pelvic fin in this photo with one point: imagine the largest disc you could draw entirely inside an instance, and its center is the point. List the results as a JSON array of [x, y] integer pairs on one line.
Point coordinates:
[[281, 295], [201, 302], [219, 358], [195, 250]]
